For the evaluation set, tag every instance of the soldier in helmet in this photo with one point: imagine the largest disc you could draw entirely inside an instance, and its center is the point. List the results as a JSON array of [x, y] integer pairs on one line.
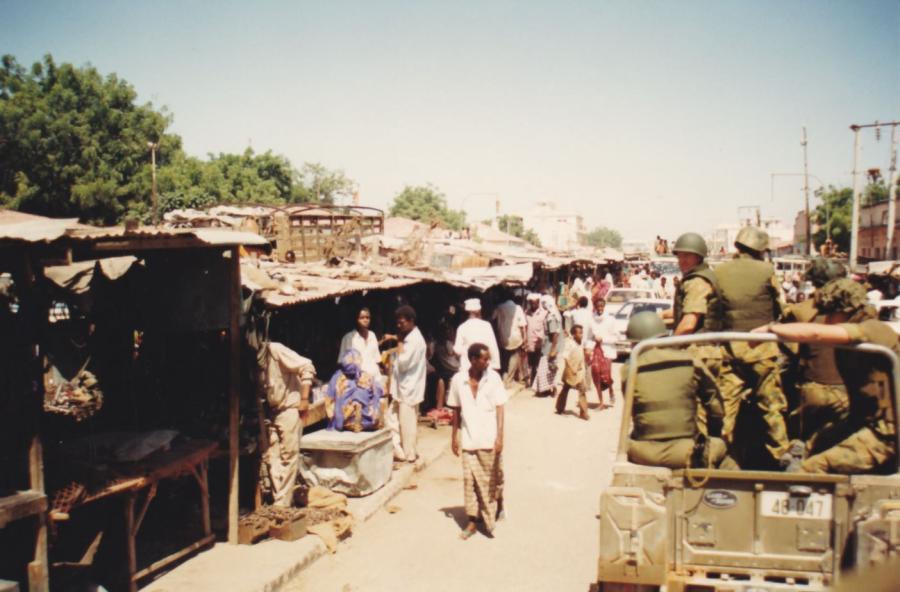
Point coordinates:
[[867, 439], [822, 398], [696, 299], [748, 293], [669, 426]]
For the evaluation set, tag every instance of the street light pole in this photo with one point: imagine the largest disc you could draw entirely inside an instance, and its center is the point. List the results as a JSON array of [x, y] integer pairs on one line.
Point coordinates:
[[153, 146], [892, 195]]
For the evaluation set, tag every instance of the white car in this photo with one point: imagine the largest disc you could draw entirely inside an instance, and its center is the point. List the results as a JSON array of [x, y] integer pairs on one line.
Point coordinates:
[[889, 312], [617, 297], [632, 307]]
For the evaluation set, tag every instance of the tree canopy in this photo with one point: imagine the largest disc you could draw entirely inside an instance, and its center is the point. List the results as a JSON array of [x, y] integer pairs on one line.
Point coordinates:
[[602, 236], [426, 203], [75, 143]]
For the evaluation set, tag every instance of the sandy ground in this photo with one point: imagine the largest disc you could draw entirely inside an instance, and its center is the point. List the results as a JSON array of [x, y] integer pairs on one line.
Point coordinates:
[[555, 468]]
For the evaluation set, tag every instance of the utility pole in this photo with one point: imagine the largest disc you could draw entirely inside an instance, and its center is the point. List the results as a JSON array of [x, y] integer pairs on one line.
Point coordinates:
[[809, 241], [892, 194], [153, 146], [854, 225]]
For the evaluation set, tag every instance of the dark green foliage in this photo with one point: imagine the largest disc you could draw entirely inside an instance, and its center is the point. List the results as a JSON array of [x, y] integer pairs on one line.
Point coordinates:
[[73, 143], [427, 204], [834, 211]]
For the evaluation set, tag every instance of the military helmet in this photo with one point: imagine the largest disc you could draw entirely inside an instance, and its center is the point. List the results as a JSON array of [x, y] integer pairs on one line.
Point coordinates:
[[645, 325], [691, 242], [822, 270], [841, 295], [753, 238]]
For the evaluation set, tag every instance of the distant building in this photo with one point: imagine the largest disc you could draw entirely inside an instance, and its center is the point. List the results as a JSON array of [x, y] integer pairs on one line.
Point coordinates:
[[721, 239], [872, 244], [556, 229]]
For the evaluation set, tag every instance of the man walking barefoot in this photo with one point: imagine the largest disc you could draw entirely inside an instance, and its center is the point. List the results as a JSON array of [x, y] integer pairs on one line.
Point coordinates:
[[477, 398]]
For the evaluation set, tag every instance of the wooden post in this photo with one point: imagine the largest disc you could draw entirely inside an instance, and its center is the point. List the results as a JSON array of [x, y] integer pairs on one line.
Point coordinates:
[[130, 543], [204, 497], [234, 386], [36, 316]]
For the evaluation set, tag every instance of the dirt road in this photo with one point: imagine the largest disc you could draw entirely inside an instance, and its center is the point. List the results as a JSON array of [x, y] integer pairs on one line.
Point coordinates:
[[555, 467]]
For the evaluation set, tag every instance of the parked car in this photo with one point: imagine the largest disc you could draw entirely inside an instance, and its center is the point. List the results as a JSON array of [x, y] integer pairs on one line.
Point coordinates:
[[632, 307], [617, 297]]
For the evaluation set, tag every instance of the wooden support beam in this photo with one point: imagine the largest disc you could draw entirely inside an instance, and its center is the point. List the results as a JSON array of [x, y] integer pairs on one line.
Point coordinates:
[[234, 386], [36, 316]]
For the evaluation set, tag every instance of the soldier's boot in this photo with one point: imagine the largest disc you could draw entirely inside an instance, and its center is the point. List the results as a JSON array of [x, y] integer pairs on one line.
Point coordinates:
[[792, 460]]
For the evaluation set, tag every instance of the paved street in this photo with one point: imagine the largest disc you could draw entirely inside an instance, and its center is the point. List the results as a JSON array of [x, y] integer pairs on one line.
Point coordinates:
[[555, 468]]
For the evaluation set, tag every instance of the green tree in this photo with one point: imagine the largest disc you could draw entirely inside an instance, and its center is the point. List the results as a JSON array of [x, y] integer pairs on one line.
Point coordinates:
[[875, 193], [318, 184], [426, 204], [835, 212], [74, 143], [603, 237]]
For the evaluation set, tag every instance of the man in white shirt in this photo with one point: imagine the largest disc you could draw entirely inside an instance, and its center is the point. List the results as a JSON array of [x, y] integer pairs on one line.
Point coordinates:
[[407, 385], [666, 288], [510, 320], [363, 340], [477, 397], [475, 330]]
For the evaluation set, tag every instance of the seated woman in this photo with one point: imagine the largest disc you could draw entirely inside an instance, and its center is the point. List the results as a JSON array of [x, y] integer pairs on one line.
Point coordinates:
[[670, 429], [354, 396]]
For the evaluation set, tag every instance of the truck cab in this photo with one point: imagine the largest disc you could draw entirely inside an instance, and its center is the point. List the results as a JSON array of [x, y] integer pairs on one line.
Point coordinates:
[[711, 530]]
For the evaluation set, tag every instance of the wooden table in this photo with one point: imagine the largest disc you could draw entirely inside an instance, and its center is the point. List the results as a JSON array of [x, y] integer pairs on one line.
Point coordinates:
[[140, 480]]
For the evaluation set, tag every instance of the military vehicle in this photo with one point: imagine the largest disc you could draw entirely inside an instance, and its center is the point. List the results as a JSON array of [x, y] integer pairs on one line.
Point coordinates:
[[713, 530]]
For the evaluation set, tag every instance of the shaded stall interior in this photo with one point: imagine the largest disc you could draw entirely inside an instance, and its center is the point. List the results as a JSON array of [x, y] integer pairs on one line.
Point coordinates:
[[158, 337]]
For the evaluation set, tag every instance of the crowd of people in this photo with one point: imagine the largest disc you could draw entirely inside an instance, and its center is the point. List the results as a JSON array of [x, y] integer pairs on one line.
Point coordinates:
[[700, 406], [551, 341]]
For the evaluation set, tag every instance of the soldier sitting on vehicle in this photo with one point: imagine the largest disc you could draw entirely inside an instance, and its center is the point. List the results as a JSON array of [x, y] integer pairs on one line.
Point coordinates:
[[670, 429], [867, 439], [821, 397]]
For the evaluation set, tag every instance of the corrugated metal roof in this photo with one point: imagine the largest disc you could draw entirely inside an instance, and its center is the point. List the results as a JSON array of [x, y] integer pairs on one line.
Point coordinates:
[[18, 227]]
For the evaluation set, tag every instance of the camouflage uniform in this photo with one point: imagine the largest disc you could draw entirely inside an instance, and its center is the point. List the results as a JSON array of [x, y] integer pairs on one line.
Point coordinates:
[[823, 399], [866, 438], [666, 416], [749, 299]]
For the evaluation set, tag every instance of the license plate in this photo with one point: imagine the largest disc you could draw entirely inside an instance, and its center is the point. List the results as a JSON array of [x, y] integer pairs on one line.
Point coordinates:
[[779, 504]]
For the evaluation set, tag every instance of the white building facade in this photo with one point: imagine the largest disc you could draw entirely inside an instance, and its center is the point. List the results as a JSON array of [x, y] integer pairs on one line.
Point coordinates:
[[556, 229]]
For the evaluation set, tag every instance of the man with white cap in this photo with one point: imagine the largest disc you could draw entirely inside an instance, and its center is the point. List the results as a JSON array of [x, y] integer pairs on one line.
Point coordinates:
[[475, 330]]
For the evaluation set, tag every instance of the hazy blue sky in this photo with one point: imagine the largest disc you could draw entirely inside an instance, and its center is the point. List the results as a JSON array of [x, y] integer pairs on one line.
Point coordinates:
[[649, 117]]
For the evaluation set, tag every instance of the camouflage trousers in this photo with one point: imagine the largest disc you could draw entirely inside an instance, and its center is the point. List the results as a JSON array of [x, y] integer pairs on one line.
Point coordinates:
[[747, 372], [823, 409], [676, 453], [861, 452]]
